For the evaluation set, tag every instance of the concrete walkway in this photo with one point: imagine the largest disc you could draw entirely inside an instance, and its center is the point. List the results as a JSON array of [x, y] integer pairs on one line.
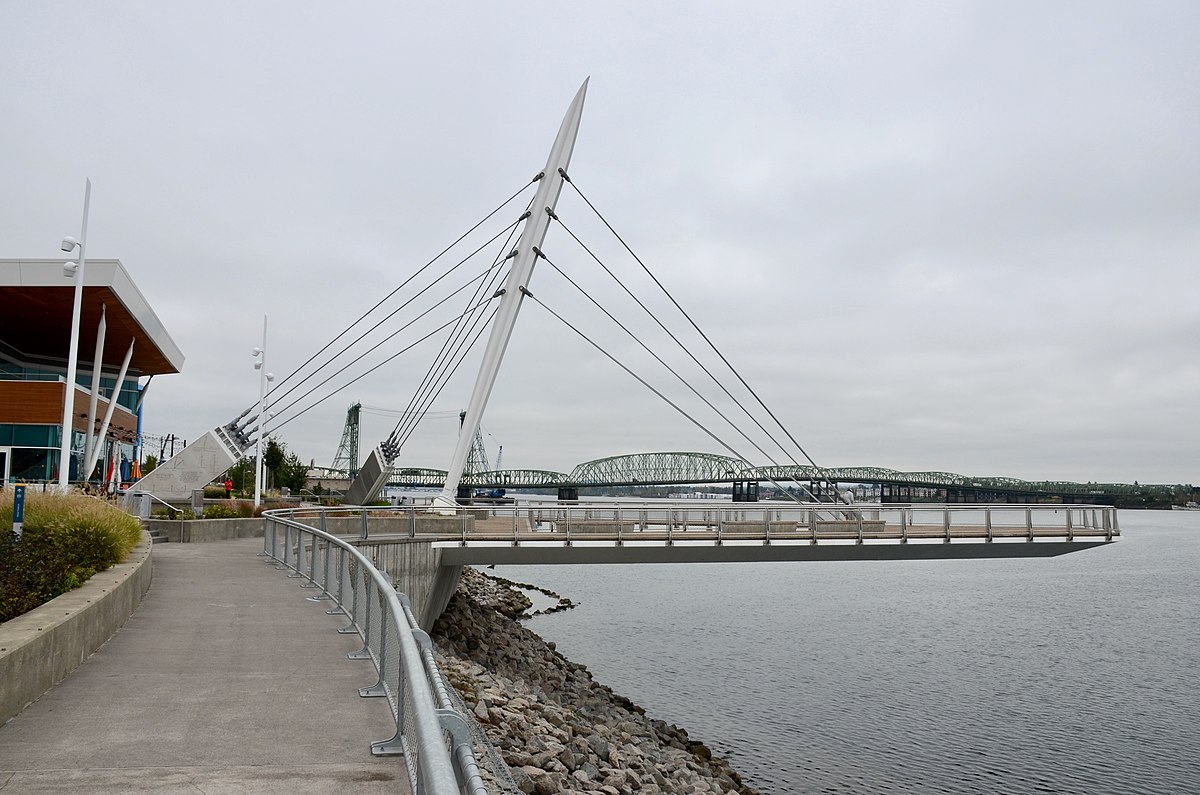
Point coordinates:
[[225, 679]]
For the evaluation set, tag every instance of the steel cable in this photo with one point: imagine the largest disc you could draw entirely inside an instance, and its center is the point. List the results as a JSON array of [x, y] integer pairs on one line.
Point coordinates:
[[403, 284], [688, 317]]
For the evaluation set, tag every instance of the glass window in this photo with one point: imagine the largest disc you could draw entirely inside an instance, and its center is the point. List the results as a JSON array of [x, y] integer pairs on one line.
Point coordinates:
[[32, 464], [32, 435]]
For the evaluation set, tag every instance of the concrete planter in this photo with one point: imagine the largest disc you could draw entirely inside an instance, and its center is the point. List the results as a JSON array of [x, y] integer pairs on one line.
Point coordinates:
[[39, 649], [197, 531]]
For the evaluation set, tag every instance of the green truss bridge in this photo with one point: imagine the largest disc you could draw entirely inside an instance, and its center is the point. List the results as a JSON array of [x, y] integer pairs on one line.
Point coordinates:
[[691, 468]]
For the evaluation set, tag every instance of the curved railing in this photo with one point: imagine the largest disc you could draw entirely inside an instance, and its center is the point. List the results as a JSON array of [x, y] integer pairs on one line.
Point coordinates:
[[433, 737]]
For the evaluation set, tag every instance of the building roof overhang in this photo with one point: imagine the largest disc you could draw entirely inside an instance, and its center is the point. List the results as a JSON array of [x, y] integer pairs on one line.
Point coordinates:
[[36, 302]]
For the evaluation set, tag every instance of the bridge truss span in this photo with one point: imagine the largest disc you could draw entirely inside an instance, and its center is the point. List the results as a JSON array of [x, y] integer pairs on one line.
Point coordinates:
[[657, 469], [518, 478]]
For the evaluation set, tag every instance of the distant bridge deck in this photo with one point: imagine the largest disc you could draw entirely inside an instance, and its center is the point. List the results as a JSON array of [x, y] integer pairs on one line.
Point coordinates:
[[692, 468]]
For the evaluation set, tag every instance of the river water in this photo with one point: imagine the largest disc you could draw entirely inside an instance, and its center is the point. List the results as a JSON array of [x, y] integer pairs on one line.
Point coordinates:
[[1078, 674]]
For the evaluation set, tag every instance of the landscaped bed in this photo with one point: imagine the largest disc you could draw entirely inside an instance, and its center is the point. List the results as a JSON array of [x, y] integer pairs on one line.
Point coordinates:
[[65, 540]]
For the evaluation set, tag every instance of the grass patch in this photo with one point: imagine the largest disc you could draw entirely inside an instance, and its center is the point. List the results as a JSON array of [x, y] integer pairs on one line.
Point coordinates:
[[66, 539]]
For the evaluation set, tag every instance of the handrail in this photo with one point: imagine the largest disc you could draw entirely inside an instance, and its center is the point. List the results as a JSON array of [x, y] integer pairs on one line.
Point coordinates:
[[156, 499], [725, 523], [424, 729]]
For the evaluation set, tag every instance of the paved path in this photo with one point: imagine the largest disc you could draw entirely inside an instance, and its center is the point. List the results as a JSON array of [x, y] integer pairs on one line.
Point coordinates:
[[225, 679]]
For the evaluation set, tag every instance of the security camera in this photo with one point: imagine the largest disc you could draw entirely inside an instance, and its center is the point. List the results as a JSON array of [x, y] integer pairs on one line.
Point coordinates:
[[69, 269], [270, 376], [256, 352], [69, 243]]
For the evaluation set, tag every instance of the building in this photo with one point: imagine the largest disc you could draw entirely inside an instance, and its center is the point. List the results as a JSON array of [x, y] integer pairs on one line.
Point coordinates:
[[36, 304]]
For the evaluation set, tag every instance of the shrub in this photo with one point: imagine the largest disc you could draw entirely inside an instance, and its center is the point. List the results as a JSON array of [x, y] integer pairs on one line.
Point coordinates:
[[214, 492], [220, 511], [66, 539]]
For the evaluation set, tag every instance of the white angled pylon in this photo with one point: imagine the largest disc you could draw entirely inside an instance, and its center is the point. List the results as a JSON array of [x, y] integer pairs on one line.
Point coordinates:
[[518, 279]]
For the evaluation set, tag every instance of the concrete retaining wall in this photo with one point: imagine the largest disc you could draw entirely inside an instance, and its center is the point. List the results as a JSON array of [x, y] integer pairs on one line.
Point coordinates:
[[198, 531], [415, 565], [39, 649], [416, 568]]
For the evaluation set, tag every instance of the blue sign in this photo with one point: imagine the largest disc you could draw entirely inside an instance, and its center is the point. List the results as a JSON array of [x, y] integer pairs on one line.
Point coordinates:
[[18, 509]]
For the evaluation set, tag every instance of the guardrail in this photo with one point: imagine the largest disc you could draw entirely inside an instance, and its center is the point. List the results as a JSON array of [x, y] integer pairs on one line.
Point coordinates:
[[812, 523], [433, 737], [720, 523]]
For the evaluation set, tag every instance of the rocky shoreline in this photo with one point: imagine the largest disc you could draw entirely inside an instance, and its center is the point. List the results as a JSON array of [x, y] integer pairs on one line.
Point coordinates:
[[557, 729]]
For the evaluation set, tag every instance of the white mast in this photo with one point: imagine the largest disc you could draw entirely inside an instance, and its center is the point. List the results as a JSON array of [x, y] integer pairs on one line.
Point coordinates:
[[518, 279]]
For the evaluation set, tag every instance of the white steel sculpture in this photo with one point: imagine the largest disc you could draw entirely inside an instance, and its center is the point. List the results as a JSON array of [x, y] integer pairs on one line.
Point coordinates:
[[514, 289]]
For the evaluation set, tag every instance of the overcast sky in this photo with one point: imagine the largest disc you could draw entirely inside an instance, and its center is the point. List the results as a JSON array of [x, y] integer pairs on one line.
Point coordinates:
[[932, 236]]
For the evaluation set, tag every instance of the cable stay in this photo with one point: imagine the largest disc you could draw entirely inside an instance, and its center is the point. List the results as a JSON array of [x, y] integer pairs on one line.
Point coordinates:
[[693, 324], [407, 281], [363, 355], [734, 453], [276, 398], [443, 366], [659, 359], [650, 313], [448, 368], [358, 378], [377, 411]]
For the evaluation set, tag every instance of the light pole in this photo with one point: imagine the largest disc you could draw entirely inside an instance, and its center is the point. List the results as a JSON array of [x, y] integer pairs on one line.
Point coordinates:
[[264, 377], [76, 270]]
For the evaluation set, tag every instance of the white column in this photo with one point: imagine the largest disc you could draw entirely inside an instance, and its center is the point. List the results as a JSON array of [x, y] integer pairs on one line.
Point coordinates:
[[262, 418], [64, 456], [97, 364], [98, 447]]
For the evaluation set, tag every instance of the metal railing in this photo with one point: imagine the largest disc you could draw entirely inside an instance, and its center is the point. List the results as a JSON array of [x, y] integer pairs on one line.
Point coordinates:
[[433, 737], [812, 523], [720, 523]]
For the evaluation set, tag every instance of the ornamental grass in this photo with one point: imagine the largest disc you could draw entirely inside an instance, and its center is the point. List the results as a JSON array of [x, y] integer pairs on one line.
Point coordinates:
[[65, 540]]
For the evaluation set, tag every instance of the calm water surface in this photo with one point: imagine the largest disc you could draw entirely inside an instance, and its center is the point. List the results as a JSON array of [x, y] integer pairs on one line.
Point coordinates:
[[1077, 674]]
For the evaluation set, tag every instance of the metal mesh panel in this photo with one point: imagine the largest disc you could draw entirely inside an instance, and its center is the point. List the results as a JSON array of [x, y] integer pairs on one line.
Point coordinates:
[[486, 755], [412, 750], [374, 625], [369, 600]]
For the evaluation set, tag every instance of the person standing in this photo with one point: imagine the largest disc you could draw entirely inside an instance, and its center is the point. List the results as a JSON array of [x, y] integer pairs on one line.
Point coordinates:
[[228, 488]]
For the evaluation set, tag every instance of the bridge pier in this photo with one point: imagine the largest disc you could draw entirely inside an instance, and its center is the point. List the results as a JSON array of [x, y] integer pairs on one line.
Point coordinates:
[[745, 491]]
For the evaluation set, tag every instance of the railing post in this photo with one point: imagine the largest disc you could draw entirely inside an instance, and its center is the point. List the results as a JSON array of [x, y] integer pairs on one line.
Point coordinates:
[[812, 525], [298, 561], [858, 511], [567, 510], [363, 531], [946, 523], [365, 628], [1029, 522], [670, 526], [343, 577], [380, 687], [720, 526], [1070, 526], [412, 521], [903, 525], [987, 522], [312, 563], [352, 613], [620, 537]]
